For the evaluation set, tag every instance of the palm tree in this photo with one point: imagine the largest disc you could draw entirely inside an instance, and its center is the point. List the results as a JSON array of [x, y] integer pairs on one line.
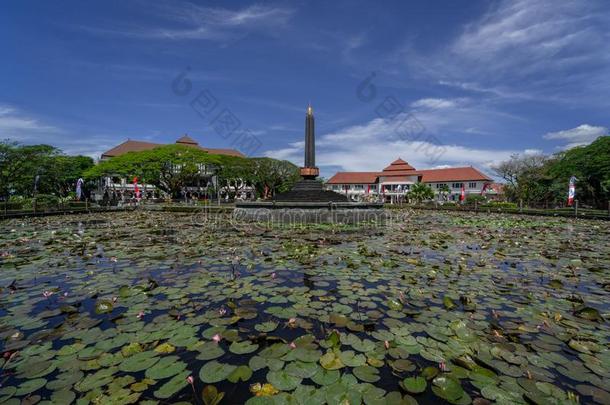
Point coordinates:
[[420, 192]]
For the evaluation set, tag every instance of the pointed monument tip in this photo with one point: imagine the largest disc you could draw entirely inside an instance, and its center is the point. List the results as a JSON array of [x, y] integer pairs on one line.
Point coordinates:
[[309, 109]]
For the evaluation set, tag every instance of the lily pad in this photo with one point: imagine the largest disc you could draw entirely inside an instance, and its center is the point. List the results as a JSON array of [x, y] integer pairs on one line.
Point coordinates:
[[367, 373], [282, 380], [214, 372], [415, 385]]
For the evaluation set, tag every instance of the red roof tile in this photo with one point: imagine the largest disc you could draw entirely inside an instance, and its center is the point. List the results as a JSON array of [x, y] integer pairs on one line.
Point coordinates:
[[187, 140], [401, 179], [354, 178], [130, 146], [138, 146], [452, 174], [398, 165]]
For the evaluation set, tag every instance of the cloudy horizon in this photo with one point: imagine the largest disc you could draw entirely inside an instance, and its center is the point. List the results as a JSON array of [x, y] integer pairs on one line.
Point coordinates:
[[481, 81]]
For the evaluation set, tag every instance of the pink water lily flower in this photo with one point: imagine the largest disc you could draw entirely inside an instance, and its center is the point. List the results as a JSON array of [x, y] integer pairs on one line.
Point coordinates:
[[442, 366], [386, 344], [273, 275], [47, 294], [140, 315], [222, 311], [190, 379], [292, 345], [217, 338]]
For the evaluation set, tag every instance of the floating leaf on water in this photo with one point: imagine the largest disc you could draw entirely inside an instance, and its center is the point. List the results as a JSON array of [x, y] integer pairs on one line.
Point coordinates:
[[282, 380], [266, 327], [241, 373], [210, 351], [165, 368], [211, 396], [448, 303], [589, 313], [214, 372], [173, 386], [351, 359], [367, 373], [301, 369], [139, 362], [165, 348], [414, 385], [326, 377], [243, 347], [263, 390], [103, 306], [447, 388], [331, 361], [29, 386]]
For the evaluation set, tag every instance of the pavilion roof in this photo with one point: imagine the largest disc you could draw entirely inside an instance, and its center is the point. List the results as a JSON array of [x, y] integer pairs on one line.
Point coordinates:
[[354, 178], [453, 174]]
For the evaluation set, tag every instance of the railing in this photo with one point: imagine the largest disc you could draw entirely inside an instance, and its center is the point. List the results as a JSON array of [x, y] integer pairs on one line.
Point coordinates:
[[508, 208], [37, 208]]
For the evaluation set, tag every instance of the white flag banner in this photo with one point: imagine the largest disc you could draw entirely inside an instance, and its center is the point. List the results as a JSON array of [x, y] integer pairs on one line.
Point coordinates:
[[572, 190], [79, 188]]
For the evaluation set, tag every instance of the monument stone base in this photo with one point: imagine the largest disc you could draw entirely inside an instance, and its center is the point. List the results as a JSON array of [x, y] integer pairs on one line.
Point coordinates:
[[292, 212]]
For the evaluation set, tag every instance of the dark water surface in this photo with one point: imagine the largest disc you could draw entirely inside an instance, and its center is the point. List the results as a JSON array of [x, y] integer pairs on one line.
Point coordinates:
[[430, 308]]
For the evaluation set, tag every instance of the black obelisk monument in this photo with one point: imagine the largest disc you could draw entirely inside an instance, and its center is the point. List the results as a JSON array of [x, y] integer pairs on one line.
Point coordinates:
[[309, 189], [310, 171]]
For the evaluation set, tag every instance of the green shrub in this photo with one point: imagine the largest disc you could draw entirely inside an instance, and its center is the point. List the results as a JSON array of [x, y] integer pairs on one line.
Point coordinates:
[[499, 205], [44, 201], [472, 198]]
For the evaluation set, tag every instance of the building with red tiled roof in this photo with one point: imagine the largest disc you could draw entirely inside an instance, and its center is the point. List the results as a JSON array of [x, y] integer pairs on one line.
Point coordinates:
[[138, 146], [395, 181], [126, 189]]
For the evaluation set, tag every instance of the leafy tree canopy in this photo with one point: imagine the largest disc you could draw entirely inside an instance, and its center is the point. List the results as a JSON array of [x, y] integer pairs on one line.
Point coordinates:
[[544, 179], [57, 173], [168, 168]]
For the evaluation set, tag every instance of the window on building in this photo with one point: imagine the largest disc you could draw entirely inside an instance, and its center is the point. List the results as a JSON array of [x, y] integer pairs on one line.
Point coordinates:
[[457, 185], [358, 186], [472, 185]]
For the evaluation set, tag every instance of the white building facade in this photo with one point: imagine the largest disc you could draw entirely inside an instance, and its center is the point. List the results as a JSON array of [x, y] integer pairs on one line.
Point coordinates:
[[394, 182]]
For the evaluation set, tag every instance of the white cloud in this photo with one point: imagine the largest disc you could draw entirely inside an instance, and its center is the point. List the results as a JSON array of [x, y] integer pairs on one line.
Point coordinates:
[[186, 20], [532, 152], [13, 121], [526, 49], [373, 145], [581, 135], [435, 103], [25, 128]]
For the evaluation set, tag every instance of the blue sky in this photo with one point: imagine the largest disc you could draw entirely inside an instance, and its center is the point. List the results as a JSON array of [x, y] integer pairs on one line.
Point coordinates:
[[451, 82]]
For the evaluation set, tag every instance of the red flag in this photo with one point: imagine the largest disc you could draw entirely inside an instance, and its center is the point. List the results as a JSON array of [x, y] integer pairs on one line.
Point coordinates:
[[136, 189], [368, 188], [572, 190], [462, 193]]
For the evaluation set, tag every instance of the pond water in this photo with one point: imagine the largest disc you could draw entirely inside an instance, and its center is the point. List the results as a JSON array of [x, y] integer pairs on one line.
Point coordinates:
[[431, 308]]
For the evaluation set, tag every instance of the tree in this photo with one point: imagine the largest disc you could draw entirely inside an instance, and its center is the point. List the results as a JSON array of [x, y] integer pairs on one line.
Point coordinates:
[[21, 164], [169, 168], [544, 179], [591, 166], [234, 174], [272, 176], [515, 167], [420, 192]]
